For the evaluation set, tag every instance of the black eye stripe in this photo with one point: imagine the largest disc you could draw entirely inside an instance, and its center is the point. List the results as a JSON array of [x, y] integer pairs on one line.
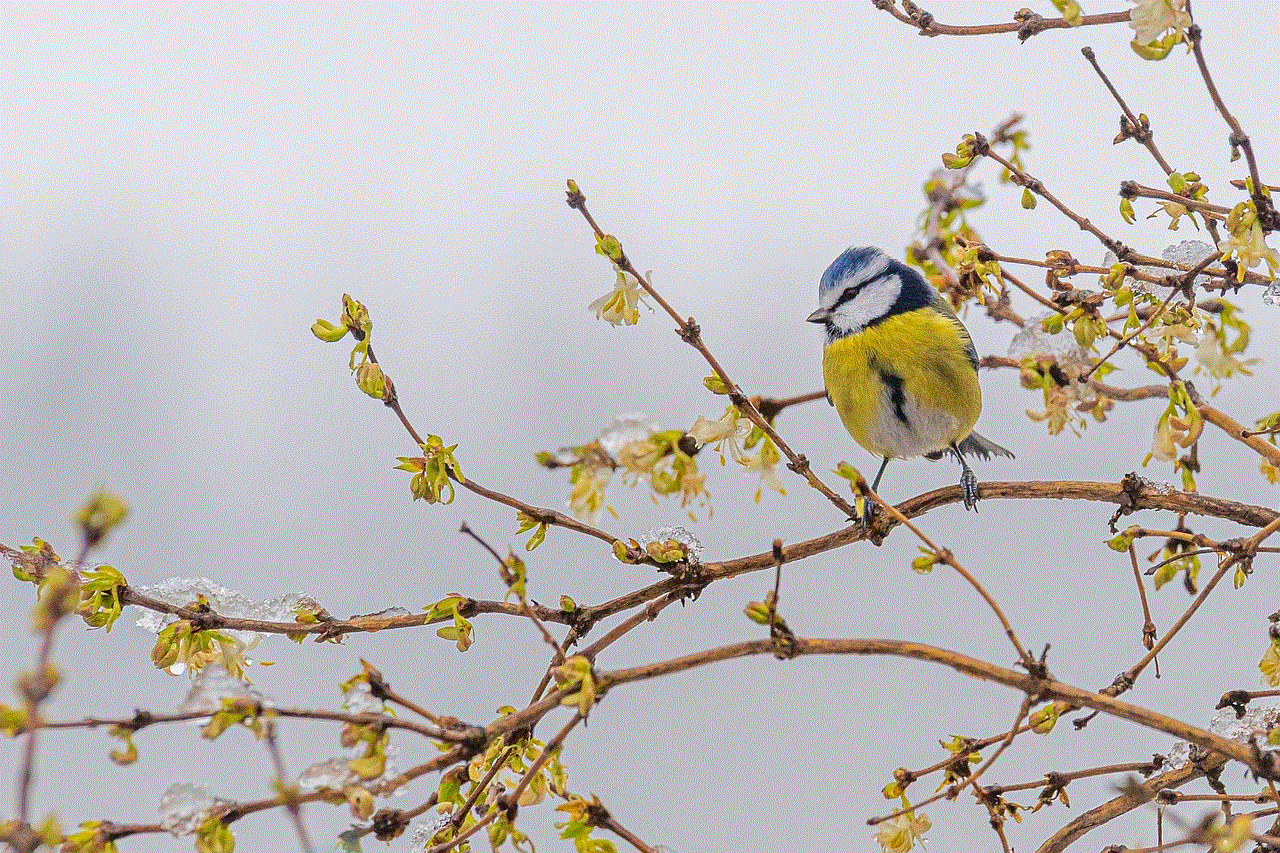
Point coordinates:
[[853, 290]]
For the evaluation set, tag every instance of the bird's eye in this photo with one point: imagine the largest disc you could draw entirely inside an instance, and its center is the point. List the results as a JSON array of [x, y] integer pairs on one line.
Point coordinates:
[[850, 292]]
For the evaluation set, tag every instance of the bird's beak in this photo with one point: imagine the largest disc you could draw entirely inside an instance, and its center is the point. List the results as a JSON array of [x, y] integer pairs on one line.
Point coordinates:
[[819, 316]]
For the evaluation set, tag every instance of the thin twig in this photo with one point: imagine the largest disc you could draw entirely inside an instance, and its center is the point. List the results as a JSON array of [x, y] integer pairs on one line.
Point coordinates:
[[1025, 26], [1239, 139], [950, 792], [1148, 626], [945, 556], [1130, 675], [287, 789]]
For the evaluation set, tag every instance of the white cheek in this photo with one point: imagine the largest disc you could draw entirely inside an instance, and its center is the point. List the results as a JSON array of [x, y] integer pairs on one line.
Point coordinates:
[[871, 304]]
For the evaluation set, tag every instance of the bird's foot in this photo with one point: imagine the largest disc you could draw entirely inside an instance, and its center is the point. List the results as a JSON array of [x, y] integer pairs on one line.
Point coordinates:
[[969, 489], [867, 509]]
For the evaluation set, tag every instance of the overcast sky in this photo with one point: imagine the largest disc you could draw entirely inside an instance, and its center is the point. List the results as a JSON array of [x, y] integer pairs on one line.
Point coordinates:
[[188, 187]]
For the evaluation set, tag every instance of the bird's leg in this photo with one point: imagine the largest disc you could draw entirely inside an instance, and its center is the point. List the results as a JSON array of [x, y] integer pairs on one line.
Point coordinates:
[[870, 507], [875, 486], [968, 481]]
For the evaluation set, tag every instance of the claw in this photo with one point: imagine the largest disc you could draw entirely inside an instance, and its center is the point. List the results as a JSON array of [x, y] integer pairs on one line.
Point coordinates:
[[869, 509], [969, 488]]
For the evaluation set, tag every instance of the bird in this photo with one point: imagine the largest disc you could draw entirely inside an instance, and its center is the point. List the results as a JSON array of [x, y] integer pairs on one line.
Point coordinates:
[[899, 366]]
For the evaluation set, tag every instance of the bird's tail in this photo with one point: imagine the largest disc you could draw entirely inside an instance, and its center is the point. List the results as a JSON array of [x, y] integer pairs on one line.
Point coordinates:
[[984, 448]]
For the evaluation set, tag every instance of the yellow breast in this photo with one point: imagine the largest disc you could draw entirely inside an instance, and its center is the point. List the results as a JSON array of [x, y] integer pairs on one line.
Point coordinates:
[[905, 386]]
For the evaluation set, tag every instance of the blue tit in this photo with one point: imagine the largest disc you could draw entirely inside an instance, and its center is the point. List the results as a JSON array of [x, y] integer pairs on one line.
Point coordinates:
[[899, 366]]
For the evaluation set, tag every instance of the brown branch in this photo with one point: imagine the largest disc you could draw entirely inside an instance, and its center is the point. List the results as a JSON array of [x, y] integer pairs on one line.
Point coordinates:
[[1043, 688], [1025, 24], [1141, 392], [142, 719], [1023, 179], [1267, 216], [945, 556], [1132, 494], [1130, 798], [1138, 129], [1233, 428], [1146, 768], [1134, 189]]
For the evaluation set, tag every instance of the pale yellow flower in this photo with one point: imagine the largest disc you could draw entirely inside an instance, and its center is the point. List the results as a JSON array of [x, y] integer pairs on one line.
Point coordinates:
[[639, 456], [1215, 359], [1270, 665], [765, 463], [693, 489], [621, 305], [1164, 447], [1249, 248], [901, 834], [1233, 836], [1151, 19], [587, 497], [731, 429]]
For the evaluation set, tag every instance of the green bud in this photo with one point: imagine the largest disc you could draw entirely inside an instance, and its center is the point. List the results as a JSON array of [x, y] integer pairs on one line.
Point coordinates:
[[715, 384], [1121, 541], [370, 380], [1126, 211], [609, 246], [328, 332], [1043, 721]]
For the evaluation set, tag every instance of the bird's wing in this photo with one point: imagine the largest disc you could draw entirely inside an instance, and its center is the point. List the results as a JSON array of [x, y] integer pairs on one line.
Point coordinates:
[[943, 307]]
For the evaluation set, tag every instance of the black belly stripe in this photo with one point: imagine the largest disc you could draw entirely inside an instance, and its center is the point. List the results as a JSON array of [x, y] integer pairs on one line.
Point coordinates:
[[896, 395]]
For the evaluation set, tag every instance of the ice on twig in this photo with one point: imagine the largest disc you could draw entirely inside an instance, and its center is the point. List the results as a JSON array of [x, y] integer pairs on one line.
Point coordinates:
[[1188, 253], [1034, 341], [1251, 729], [679, 534], [184, 806], [181, 592], [634, 426], [359, 700], [336, 773], [211, 685]]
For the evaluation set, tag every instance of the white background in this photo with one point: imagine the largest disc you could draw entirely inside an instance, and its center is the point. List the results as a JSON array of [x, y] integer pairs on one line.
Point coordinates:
[[186, 188]]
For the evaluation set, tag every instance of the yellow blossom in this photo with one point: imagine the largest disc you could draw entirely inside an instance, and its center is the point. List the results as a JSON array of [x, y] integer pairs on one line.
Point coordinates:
[[639, 456], [732, 429], [1151, 19], [1270, 665], [901, 833], [1249, 248], [587, 497], [765, 463], [621, 305], [1234, 835], [1217, 361], [693, 488], [1164, 446]]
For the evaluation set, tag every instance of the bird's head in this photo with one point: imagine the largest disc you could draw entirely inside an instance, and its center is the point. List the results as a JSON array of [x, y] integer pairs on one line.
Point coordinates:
[[863, 287]]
